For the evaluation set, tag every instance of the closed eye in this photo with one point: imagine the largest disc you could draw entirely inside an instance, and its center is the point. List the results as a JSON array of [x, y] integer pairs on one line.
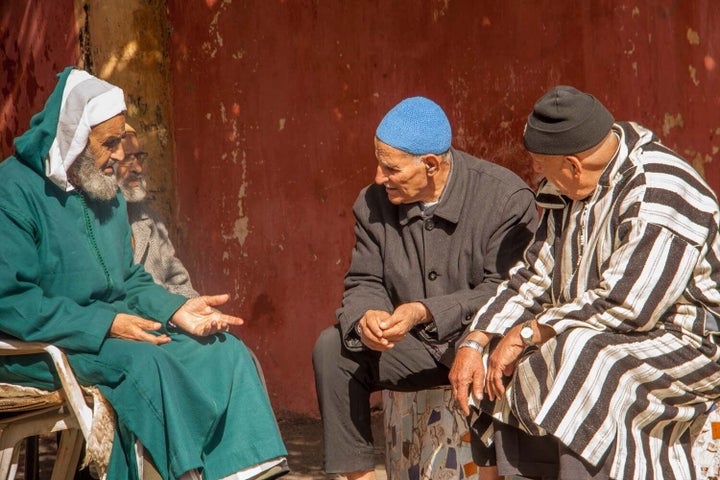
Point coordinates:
[[112, 142]]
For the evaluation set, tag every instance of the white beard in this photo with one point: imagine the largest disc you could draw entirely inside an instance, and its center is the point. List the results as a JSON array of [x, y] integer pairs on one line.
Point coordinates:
[[134, 194], [91, 180]]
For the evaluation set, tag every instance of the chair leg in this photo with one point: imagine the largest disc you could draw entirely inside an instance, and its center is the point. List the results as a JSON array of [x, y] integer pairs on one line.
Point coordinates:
[[68, 455], [15, 461], [32, 458], [7, 464], [140, 457]]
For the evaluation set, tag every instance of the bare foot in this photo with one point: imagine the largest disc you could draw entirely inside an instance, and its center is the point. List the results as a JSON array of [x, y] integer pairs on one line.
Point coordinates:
[[489, 473], [368, 475]]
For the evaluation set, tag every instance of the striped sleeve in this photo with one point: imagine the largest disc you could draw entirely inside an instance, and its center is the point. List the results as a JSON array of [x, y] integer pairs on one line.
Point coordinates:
[[665, 217], [524, 294], [644, 277]]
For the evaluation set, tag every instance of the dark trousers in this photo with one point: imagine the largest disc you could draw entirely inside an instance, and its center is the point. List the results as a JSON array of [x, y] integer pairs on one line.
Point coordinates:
[[516, 453], [344, 381]]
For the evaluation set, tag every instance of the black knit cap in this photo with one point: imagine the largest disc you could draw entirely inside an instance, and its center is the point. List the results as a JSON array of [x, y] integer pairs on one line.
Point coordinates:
[[566, 121]]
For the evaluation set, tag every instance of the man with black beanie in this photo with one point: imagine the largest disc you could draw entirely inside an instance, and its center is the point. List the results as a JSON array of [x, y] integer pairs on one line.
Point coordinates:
[[606, 338]]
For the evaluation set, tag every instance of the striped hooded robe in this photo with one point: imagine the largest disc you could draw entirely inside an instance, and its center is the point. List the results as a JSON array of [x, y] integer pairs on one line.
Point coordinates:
[[628, 279], [66, 271]]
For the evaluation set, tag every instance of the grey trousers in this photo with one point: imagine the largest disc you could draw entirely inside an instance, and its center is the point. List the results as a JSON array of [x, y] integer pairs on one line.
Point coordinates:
[[344, 381]]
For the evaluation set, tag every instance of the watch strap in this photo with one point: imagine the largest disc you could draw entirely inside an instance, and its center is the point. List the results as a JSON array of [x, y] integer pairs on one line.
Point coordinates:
[[471, 344]]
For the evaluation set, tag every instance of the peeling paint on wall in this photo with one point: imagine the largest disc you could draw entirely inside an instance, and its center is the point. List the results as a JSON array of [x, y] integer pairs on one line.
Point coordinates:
[[671, 122], [693, 75], [223, 117], [630, 50], [240, 229], [698, 160], [693, 37], [211, 47], [441, 10]]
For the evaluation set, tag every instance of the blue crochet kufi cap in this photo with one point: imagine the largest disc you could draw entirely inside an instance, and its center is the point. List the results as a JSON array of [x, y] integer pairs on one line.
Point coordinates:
[[417, 126]]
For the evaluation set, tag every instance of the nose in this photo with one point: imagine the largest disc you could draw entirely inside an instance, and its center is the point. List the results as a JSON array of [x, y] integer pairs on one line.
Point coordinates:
[[380, 177], [118, 153], [137, 166]]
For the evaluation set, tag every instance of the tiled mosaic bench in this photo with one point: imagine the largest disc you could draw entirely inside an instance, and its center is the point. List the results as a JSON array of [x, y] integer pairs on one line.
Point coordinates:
[[706, 449], [427, 439]]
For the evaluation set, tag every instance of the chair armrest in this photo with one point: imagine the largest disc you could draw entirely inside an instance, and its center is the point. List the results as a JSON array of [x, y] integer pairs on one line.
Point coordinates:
[[18, 347], [71, 388]]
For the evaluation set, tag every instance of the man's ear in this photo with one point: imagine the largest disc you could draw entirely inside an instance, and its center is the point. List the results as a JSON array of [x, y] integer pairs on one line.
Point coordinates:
[[575, 164], [432, 164]]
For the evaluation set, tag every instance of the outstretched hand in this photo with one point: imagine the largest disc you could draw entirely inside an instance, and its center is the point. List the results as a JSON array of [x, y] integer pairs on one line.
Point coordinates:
[[198, 316]]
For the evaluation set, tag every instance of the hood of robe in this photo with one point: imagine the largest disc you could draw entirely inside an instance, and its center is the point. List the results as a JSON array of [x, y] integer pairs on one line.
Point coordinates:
[[59, 132]]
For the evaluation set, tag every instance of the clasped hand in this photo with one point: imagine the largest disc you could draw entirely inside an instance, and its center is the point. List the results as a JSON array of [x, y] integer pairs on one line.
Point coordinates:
[[198, 316], [380, 330]]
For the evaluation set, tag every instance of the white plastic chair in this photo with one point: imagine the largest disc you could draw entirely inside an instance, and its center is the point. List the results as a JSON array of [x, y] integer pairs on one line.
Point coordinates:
[[27, 411]]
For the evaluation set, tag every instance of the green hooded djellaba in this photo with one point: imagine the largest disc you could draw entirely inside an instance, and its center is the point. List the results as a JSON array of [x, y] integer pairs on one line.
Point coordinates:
[[66, 271]]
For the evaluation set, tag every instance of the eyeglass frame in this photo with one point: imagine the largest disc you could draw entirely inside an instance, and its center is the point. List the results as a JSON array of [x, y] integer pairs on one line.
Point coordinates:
[[131, 158]]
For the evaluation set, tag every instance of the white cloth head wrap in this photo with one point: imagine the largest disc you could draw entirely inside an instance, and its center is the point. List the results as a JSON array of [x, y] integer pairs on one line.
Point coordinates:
[[86, 102]]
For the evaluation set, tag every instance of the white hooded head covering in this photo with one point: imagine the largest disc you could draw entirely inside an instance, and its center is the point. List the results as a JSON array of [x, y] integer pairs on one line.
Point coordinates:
[[86, 102]]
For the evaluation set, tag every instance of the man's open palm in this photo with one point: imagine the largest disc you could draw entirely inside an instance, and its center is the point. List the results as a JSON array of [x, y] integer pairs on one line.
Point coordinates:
[[198, 316]]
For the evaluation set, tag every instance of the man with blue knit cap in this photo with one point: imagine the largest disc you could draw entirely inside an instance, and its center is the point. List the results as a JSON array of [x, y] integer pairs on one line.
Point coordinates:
[[436, 234]]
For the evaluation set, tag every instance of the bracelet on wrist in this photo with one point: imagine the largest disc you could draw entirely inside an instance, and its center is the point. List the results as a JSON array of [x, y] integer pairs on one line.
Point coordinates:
[[471, 344]]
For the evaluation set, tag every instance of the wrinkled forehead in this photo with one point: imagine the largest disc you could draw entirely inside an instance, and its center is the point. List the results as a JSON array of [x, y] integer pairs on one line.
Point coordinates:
[[130, 142], [383, 151], [113, 127]]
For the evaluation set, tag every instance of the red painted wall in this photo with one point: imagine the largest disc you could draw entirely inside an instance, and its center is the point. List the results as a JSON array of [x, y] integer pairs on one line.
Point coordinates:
[[276, 103], [37, 40]]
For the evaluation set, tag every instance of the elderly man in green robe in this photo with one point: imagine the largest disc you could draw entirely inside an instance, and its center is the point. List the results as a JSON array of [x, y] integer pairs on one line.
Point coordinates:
[[181, 385]]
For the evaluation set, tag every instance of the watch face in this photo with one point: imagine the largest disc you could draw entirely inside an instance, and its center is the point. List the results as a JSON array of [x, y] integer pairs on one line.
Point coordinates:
[[526, 334]]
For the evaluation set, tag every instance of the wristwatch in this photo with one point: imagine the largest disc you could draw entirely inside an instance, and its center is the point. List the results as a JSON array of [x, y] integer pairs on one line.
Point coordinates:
[[527, 333]]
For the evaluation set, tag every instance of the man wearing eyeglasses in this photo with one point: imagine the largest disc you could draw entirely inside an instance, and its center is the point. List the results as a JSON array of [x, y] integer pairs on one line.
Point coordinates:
[[151, 243]]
